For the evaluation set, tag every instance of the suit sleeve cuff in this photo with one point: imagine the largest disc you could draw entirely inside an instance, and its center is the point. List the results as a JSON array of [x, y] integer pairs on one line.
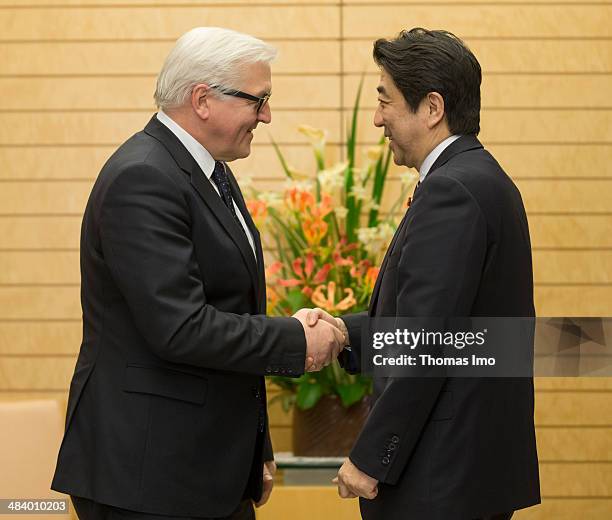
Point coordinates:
[[290, 355]]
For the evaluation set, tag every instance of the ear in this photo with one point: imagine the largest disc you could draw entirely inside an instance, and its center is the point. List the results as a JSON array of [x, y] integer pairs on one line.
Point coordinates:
[[200, 100], [435, 104]]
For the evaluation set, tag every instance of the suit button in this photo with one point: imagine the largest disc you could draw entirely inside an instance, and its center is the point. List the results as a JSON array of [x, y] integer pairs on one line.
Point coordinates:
[[391, 446], [275, 370], [255, 391], [386, 461], [268, 370], [395, 439]]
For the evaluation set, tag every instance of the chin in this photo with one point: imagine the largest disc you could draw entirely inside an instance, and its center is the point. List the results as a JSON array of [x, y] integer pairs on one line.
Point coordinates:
[[238, 154], [244, 153]]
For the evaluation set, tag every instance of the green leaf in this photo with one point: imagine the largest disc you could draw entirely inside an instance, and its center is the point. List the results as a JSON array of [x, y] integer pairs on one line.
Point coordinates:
[[351, 393], [352, 136], [296, 299], [339, 375], [308, 395], [288, 402], [352, 217], [382, 168], [294, 240], [281, 158], [285, 383]]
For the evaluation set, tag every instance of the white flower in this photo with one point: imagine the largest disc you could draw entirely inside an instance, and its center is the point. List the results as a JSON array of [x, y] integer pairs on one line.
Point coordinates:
[[366, 235], [408, 177], [298, 185], [359, 175], [374, 152], [245, 181], [370, 204], [375, 239], [333, 177], [340, 211], [317, 137], [271, 198], [385, 232], [359, 192], [314, 134]]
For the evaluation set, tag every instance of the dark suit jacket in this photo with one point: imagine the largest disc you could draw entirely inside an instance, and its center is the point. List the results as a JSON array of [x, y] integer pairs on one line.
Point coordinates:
[[167, 406], [453, 448]]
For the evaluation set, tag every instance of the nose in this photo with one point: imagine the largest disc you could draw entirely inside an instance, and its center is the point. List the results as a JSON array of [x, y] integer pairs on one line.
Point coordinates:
[[265, 114], [378, 120]]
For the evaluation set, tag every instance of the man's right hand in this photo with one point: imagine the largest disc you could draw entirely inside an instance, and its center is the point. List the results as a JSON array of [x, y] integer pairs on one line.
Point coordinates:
[[324, 341], [316, 314]]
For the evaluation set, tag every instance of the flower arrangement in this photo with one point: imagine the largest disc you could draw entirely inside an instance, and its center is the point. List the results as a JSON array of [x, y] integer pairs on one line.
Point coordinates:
[[328, 238]]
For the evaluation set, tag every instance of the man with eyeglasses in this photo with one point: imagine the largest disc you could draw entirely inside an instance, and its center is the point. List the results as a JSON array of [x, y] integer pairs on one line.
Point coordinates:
[[167, 408]]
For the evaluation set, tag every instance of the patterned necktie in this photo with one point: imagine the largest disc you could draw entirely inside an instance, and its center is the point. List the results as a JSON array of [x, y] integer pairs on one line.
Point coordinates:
[[220, 178]]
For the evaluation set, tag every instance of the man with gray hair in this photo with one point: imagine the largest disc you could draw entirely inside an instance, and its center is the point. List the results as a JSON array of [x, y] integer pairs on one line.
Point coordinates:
[[167, 408]]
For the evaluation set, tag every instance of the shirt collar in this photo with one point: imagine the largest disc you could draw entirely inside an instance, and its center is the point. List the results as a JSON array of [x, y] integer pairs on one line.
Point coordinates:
[[434, 154], [198, 152]]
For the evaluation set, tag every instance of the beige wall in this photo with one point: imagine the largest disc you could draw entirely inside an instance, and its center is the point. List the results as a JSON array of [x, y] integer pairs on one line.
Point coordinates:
[[76, 80]]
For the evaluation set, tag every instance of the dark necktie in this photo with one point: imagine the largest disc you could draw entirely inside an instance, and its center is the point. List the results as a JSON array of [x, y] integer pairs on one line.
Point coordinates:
[[220, 178]]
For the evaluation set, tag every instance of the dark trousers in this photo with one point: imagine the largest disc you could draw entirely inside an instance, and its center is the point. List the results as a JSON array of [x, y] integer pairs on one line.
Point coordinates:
[[89, 510]]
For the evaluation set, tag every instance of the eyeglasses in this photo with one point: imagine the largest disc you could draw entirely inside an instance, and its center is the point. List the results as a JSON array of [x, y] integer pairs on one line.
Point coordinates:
[[261, 101]]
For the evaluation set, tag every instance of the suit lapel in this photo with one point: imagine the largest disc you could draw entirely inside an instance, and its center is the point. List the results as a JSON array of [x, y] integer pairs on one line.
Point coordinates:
[[261, 275], [208, 194], [463, 144], [383, 266], [226, 219]]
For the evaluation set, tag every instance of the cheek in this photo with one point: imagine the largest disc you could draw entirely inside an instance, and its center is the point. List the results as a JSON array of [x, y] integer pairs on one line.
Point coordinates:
[[405, 132], [233, 124], [244, 125], [227, 127], [392, 123], [234, 133]]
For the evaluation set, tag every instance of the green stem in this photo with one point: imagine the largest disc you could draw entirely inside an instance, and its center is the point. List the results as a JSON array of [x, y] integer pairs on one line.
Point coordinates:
[[281, 158]]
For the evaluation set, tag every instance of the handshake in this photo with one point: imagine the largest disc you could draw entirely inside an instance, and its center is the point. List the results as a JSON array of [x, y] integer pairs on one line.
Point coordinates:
[[326, 336]]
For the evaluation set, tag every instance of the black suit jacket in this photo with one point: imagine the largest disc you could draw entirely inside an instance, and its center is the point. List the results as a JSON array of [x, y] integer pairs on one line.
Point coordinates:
[[453, 448], [167, 406]]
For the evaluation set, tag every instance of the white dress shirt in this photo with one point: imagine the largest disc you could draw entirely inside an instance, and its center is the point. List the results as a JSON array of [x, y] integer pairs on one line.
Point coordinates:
[[434, 154], [205, 162]]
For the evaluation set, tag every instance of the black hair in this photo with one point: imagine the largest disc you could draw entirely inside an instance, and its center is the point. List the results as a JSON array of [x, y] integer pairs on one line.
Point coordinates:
[[420, 61]]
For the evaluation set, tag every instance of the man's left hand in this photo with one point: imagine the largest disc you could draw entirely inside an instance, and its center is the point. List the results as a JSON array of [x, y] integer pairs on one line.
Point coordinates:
[[269, 469], [352, 482]]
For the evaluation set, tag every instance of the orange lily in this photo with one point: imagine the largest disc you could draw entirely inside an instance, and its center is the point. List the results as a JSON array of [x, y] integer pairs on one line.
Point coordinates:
[[361, 269], [299, 200], [329, 302], [258, 210], [273, 268], [323, 208], [304, 269], [314, 230], [370, 277]]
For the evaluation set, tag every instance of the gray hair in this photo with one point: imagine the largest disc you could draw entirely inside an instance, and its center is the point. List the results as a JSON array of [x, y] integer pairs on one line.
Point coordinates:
[[210, 55]]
